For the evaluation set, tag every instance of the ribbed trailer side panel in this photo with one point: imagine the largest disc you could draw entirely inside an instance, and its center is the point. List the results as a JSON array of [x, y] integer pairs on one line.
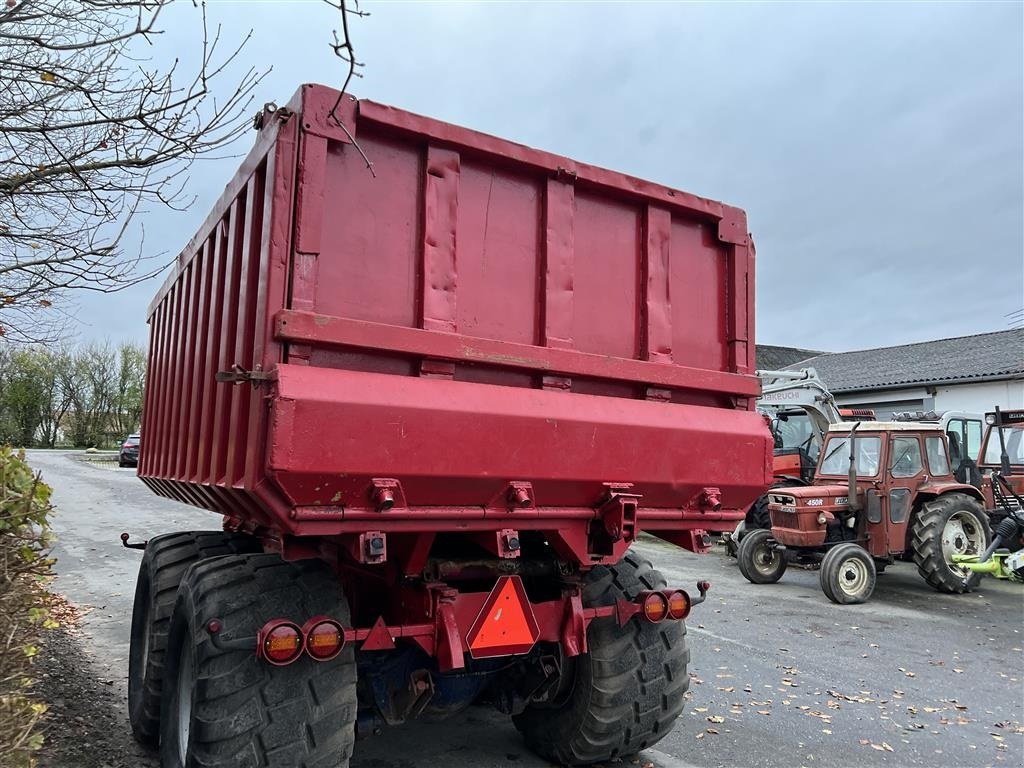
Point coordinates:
[[210, 317]]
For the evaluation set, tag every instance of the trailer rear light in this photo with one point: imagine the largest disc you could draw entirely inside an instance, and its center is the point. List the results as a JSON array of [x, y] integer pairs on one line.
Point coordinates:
[[655, 607], [324, 638], [678, 605], [281, 642]]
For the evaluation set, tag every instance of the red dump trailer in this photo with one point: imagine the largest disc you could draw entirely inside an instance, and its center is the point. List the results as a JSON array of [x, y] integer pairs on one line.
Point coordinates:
[[436, 383]]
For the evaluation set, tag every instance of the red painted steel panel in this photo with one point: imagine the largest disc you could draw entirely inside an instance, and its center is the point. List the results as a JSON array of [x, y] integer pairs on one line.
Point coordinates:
[[498, 254], [244, 335], [218, 426], [552, 294], [333, 431]]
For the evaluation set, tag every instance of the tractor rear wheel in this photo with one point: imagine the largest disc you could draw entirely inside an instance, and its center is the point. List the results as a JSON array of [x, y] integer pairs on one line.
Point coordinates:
[[224, 707], [163, 565], [952, 524], [627, 692], [759, 561], [847, 574]]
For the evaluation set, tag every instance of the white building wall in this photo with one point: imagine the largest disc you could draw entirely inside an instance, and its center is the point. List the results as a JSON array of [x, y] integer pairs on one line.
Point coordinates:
[[980, 397]]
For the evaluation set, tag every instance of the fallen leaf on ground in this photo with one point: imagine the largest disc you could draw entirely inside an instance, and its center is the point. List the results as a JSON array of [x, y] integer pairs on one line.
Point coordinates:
[[712, 731], [716, 719]]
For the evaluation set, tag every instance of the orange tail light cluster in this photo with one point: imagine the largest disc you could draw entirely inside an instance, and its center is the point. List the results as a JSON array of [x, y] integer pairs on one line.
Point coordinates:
[[280, 642], [668, 604]]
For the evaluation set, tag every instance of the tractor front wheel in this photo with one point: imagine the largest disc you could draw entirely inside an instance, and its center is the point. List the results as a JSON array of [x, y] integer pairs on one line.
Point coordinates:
[[952, 524], [759, 561], [626, 693], [847, 574]]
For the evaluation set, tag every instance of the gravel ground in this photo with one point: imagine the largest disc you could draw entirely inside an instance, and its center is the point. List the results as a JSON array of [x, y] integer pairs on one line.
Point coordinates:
[[85, 727]]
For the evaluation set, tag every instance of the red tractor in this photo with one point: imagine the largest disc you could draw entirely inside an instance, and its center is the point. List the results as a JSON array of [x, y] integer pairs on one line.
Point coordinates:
[[882, 491]]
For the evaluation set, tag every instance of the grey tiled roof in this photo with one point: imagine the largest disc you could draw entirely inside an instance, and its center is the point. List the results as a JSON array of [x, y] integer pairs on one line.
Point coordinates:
[[997, 355], [772, 358]]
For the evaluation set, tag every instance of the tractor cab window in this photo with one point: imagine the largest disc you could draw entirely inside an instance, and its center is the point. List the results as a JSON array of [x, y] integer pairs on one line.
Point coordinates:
[[938, 464], [1014, 438], [905, 457], [964, 439], [836, 461]]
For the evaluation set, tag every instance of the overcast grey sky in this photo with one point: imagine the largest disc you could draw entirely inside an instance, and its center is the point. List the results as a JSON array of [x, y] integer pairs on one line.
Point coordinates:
[[878, 149]]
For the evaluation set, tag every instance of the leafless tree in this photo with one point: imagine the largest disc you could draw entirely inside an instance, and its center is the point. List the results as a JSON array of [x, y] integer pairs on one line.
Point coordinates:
[[93, 129]]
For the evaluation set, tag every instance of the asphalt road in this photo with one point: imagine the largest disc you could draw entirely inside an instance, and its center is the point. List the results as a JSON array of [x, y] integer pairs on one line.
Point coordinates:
[[781, 676]]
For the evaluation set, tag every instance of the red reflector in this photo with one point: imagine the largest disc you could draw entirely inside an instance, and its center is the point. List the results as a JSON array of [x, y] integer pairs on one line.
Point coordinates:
[[282, 642], [324, 638], [505, 625], [678, 605], [655, 607]]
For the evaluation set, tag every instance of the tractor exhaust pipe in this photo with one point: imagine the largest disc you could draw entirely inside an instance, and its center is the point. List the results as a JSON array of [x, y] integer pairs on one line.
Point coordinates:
[[1004, 459], [852, 473]]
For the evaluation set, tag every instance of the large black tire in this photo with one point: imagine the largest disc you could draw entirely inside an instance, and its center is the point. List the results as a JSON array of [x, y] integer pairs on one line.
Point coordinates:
[[952, 523], [163, 565], [847, 574], [627, 691], [229, 709], [757, 516], [759, 562]]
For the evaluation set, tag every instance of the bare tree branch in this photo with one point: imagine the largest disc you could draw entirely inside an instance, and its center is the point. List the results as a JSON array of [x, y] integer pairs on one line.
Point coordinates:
[[342, 47], [91, 133]]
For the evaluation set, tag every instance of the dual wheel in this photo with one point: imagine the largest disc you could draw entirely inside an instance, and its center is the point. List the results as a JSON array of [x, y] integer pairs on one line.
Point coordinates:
[[212, 705]]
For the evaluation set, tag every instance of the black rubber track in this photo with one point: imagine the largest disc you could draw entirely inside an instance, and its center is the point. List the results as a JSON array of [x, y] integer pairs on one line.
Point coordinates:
[[247, 713], [926, 540], [628, 689], [757, 516], [164, 563]]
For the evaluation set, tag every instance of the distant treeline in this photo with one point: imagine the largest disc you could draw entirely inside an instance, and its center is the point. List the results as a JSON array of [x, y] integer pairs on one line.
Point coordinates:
[[81, 396]]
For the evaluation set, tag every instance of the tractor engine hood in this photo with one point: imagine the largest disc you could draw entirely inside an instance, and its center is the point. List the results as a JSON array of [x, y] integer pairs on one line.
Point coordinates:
[[811, 498], [801, 516]]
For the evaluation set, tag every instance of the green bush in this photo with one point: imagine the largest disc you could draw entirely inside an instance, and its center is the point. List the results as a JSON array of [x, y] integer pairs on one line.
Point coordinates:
[[24, 614]]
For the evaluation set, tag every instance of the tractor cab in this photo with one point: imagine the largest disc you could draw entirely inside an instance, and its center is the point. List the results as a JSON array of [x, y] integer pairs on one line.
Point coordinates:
[[870, 479], [1002, 455]]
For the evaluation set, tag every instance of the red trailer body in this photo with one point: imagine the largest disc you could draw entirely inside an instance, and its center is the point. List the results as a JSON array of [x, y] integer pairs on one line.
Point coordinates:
[[475, 342], [473, 314]]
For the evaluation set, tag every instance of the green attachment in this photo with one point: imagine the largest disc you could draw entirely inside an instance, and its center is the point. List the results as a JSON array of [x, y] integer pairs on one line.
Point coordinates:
[[994, 566]]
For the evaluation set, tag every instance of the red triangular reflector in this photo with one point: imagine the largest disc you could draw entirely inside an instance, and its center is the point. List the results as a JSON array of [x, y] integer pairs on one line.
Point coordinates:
[[506, 625], [379, 638]]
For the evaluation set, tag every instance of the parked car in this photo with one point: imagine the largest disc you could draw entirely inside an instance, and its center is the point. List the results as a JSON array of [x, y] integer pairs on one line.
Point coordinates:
[[129, 455]]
